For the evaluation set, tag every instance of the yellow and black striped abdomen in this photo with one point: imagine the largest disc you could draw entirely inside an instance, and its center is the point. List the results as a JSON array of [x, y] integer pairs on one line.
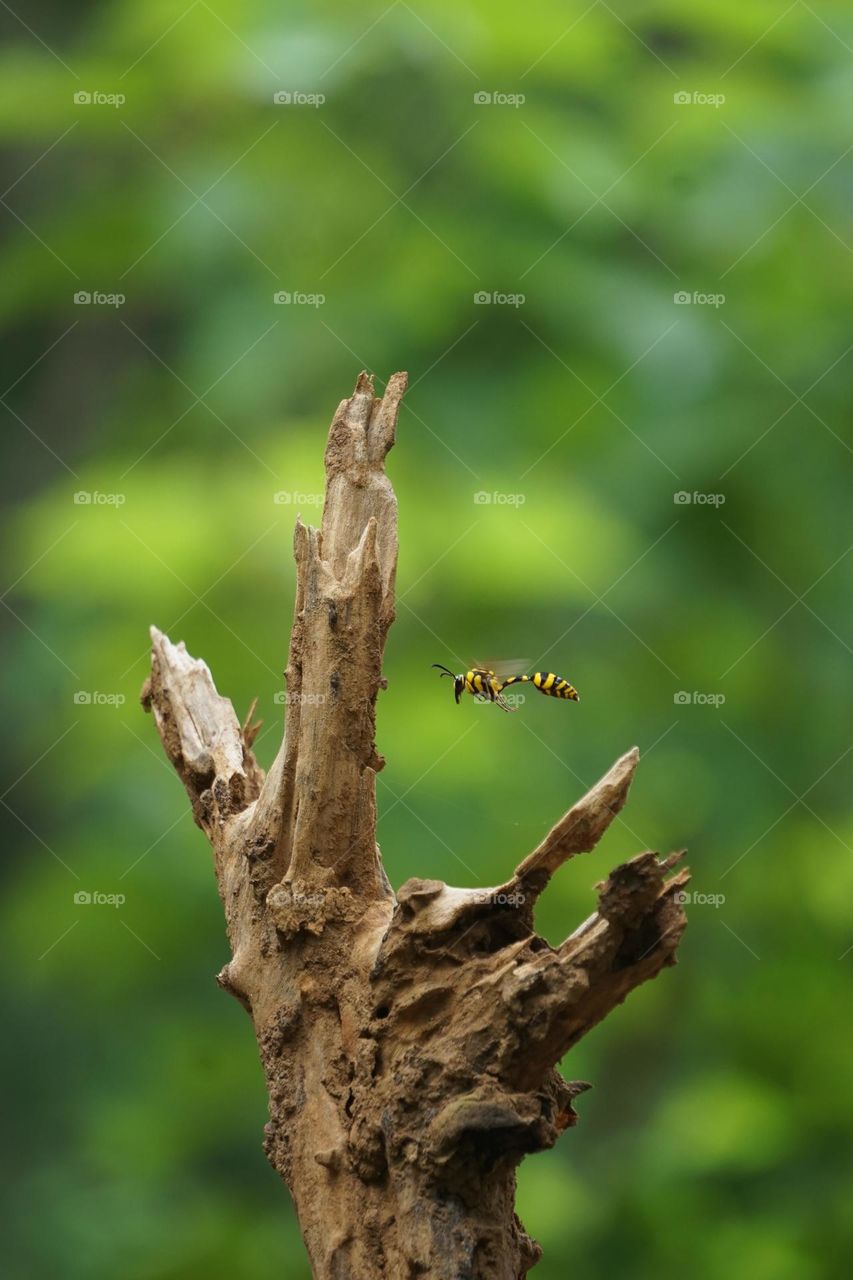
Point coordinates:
[[554, 686], [548, 683]]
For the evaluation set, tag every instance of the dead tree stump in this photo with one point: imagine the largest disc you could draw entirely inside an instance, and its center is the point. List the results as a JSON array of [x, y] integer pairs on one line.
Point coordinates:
[[409, 1040]]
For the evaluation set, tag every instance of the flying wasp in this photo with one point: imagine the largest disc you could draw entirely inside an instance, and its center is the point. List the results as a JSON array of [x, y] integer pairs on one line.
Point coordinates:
[[486, 685]]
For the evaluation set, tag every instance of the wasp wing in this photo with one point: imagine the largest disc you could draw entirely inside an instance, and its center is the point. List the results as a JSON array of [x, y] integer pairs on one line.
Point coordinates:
[[502, 667]]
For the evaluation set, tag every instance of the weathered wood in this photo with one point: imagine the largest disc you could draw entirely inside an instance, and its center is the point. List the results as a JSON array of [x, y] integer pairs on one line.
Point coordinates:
[[409, 1041]]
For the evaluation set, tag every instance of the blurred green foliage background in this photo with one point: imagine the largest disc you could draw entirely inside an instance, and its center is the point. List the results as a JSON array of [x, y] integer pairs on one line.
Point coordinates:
[[717, 1138]]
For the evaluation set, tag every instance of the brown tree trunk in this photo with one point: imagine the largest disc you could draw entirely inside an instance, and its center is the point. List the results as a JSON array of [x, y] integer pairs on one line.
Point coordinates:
[[409, 1040]]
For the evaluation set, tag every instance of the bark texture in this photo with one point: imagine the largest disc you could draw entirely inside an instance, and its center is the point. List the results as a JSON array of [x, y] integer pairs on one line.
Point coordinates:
[[409, 1040]]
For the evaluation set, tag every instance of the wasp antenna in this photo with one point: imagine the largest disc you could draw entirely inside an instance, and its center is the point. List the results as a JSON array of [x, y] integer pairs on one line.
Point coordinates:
[[444, 670]]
